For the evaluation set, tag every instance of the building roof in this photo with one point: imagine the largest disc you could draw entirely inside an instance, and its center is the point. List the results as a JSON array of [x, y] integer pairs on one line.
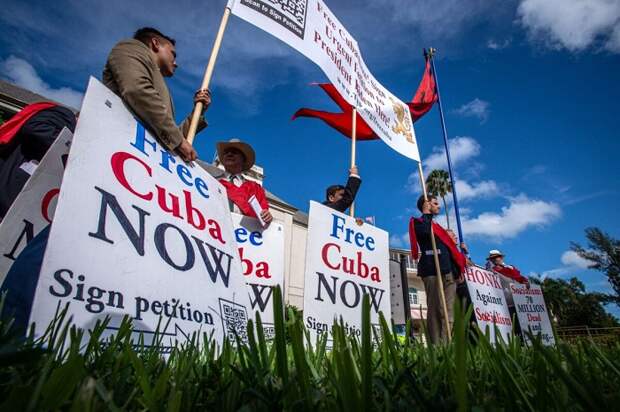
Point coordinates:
[[13, 98], [18, 95]]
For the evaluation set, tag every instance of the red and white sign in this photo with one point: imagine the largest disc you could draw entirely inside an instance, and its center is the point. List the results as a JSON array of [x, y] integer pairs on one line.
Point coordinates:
[[261, 250], [34, 207], [532, 313], [487, 296], [312, 29], [344, 261], [138, 232]]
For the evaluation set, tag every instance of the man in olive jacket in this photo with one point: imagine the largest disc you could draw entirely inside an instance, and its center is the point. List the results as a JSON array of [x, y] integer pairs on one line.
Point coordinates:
[[135, 71]]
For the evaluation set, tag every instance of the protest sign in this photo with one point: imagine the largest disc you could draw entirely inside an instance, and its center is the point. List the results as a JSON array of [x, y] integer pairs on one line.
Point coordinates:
[[398, 302], [138, 232], [487, 296], [34, 207], [261, 250], [532, 313], [312, 29], [344, 261]]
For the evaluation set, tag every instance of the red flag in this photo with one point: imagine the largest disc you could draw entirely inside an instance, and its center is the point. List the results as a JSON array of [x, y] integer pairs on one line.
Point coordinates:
[[339, 121], [423, 100], [425, 96], [11, 127]]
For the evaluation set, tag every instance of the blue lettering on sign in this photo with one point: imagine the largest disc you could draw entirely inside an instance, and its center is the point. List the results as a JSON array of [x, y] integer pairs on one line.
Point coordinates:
[[339, 231], [167, 159], [243, 235]]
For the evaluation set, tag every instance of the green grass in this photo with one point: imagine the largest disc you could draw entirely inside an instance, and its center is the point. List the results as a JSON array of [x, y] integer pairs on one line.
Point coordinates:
[[376, 372]]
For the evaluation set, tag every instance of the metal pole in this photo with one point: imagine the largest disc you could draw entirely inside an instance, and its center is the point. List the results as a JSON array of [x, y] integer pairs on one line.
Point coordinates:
[[353, 147], [431, 53]]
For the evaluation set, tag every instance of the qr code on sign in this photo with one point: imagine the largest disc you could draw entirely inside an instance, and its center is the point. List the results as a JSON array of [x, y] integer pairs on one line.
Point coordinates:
[[290, 14], [234, 320]]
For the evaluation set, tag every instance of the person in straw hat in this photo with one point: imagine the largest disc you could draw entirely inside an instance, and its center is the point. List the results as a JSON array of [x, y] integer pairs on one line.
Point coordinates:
[[495, 262], [238, 157], [509, 274]]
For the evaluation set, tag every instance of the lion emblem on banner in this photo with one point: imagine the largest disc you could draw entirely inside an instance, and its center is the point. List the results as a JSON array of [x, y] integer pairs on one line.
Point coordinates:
[[403, 124]]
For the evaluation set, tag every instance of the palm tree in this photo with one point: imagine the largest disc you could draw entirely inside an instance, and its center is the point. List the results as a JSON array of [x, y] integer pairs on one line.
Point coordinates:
[[438, 184]]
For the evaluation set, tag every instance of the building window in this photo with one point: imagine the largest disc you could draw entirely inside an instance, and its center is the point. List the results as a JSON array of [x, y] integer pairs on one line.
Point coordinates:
[[413, 296]]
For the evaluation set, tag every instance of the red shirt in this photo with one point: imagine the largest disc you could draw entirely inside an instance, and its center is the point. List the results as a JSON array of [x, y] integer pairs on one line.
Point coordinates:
[[240, 195], [510, 272]]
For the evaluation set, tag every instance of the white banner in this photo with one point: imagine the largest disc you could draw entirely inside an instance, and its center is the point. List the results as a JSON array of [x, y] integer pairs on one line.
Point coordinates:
[[34, 207], [312, 29], [262, 260], [487, 296], [138, 232], [344, 261], [532, 313]]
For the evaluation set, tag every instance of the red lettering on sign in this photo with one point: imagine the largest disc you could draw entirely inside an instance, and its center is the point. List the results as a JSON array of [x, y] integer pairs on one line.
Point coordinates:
[[45, 203]]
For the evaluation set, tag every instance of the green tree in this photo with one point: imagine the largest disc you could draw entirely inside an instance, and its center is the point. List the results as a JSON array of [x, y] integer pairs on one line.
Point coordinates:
[[438, 184], [604, 254], [571, 305]]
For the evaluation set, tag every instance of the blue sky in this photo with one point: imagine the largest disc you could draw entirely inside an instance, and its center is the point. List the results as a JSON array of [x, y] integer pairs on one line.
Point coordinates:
[[529, 87]]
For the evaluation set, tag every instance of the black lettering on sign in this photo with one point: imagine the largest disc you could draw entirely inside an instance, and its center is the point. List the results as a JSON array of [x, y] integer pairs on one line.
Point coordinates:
[[257, 291], [28, 232], [214, 264], [109, 201], [160, 244]]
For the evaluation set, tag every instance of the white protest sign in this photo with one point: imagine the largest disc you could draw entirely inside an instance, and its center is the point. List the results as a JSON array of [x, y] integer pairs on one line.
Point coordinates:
[[487, 296], [312, 29], [138, 232], [532, 313], [34, 207], [344, 261], [261, 250]]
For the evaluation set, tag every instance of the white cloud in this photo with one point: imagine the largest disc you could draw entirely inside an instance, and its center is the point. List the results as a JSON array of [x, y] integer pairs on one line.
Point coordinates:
[[399, 241], [573, 25], [476, 108], [613, 43], [22, 73], [485, 188], [521, 214], [498, 45], [571, 263], [571, 258], [462, 149]]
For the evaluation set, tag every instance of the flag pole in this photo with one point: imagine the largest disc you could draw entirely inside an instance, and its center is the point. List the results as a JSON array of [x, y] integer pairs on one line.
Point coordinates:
[[431, 52], [442, 295], [353, 144], [191, 133]]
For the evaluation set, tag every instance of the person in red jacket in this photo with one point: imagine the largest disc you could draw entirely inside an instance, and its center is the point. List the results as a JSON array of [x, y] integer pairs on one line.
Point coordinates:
[[238, 157], [495, 262]]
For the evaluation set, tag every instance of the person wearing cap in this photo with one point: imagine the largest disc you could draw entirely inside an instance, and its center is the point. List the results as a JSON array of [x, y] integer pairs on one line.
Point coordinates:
[[341, 197], [452, 265], [495, 262], [238, 157]]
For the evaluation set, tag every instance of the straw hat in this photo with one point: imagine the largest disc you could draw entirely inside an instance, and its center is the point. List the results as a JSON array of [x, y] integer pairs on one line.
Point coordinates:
[[244, 148], [494, 253]]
